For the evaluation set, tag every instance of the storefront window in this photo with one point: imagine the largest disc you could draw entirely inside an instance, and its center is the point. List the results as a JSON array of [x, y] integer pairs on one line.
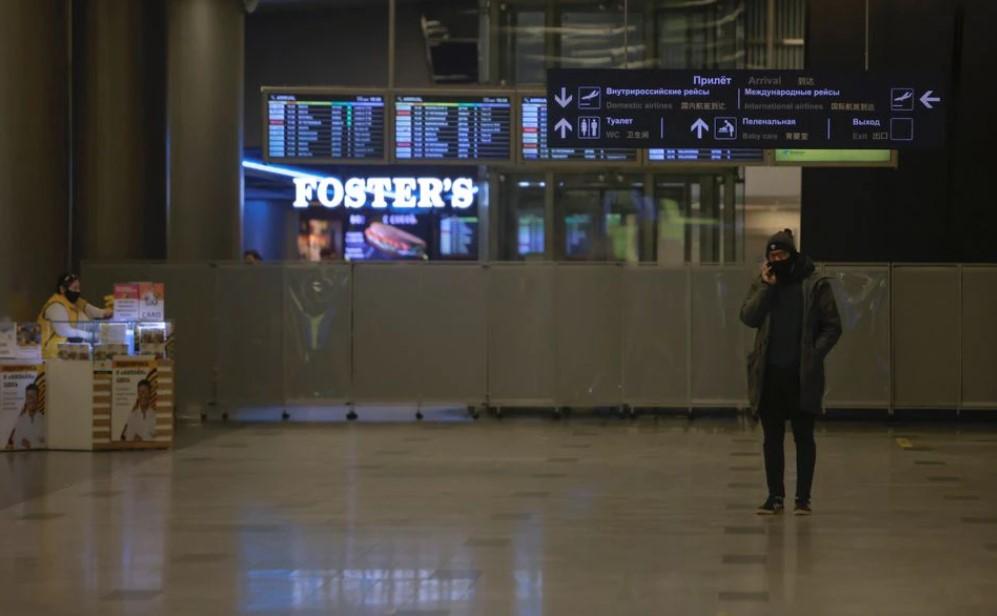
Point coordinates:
[[523, 225], [601, 217], [697, 218], [673, 200]]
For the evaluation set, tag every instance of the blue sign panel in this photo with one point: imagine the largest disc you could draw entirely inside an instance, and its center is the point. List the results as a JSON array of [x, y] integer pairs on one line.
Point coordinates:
[[743, 109]]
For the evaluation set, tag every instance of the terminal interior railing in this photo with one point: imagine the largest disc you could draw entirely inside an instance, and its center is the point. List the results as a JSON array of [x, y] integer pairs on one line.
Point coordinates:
[[559, 335]]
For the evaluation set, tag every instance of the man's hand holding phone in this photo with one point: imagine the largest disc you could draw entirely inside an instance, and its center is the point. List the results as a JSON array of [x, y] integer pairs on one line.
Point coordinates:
[[767, 276]]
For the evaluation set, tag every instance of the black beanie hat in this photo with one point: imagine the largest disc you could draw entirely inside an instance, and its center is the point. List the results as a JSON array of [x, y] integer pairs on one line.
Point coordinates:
[[782, 240], [65, 280]]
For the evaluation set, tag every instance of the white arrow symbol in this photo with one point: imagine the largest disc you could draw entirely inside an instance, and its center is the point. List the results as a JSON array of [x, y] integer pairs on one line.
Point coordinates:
[[563, 126], [564, 99], [927, 99], [699, 126]]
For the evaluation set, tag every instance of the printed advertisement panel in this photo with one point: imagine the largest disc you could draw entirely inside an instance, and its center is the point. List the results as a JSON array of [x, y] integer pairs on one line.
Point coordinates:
[[133, 400], [152, 301], [20, 340], [126, 301], [22, 406]]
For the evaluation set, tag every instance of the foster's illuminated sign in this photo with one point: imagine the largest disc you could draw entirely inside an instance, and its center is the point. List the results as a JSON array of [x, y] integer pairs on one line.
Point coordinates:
[[405, 193]]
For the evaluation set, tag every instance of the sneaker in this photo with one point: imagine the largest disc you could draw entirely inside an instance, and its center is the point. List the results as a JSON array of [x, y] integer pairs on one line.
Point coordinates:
[[771, 506], [802, 508]]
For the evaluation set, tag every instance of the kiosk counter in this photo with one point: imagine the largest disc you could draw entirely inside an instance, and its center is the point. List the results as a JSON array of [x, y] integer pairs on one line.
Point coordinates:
[[114, 392]]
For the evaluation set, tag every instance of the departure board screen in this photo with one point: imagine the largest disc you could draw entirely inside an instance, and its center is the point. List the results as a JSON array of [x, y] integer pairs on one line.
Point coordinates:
[[464, 128], [304, 127], [700, 155], [534, 147]]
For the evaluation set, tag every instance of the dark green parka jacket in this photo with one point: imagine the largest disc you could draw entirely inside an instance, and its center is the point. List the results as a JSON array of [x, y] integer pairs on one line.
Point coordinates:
[[821, 330]]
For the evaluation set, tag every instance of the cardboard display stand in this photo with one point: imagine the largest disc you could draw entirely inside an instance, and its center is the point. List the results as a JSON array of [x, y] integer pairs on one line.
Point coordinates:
[[23, 422], [128, 407], [141, 410]]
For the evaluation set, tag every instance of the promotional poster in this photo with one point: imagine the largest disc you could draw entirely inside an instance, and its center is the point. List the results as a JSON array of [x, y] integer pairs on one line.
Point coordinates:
[[377, 236], [126, 301], [104, 354], [20, 340], [22, 407], [133, 400], [152, 301], [316, 235], [8, 339], [152, 339]]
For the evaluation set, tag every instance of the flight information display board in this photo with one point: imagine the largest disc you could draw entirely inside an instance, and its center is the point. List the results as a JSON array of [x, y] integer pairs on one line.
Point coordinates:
[[706, 155], [453, 127], [316, 127], [533, 138], [765, 109]]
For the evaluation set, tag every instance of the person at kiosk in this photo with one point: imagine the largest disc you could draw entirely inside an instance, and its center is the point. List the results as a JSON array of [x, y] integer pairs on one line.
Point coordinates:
[[61, 314]]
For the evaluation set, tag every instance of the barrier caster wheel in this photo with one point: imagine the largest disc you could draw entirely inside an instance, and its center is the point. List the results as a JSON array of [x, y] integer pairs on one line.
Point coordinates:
[[418, 415], [224, 416], [473, 412], [284, 415], [351, 416], [558, 414]]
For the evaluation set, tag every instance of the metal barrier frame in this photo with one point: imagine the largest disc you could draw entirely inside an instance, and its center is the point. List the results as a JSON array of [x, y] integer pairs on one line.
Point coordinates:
[[106, 271]]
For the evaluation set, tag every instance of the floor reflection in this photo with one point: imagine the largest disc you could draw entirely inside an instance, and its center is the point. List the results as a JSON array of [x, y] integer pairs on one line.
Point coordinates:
[[521, 517]]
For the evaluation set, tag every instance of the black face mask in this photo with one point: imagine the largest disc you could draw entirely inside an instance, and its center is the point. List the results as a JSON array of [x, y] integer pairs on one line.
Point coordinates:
[[783, 270], [72, 296]]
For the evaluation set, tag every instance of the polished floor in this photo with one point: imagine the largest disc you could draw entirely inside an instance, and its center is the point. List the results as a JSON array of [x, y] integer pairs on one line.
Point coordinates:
[[520, 516]]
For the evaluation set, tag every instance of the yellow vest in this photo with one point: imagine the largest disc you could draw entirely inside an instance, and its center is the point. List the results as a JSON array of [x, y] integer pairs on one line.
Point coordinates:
[[50, 339]]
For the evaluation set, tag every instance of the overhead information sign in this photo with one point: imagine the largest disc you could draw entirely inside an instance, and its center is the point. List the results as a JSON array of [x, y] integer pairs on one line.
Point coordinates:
[[743, 109], [533, 138], [319, 127], [453, 127]]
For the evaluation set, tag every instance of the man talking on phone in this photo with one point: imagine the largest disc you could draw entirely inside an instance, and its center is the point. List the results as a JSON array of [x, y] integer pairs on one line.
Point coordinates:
[[797, 321]]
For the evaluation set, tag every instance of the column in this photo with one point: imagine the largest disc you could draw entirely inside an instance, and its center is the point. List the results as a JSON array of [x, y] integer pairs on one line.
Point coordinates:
[[205, 58], [34, 164], [120, 132]]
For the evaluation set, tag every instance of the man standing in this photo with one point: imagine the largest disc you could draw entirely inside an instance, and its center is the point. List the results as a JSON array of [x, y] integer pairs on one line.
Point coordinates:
[[798, 324]]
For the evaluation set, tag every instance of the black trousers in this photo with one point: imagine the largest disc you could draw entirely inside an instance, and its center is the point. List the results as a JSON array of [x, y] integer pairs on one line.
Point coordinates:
[[781, 402]]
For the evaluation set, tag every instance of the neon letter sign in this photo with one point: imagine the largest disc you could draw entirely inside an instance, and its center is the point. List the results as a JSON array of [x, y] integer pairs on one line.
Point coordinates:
[[380, 193]]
